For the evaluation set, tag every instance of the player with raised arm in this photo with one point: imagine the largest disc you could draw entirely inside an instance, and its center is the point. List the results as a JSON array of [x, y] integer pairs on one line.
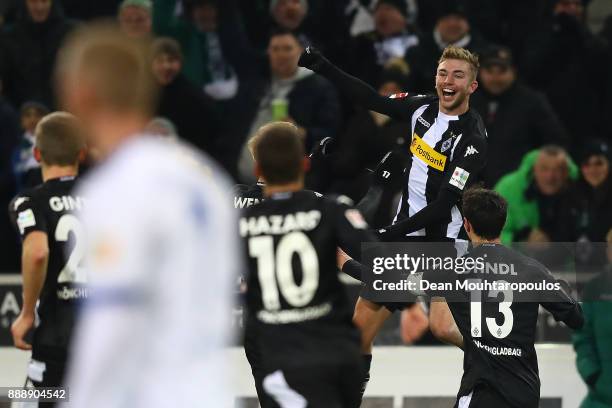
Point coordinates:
[[447, 147], [296, 304], [497, 328], [53, 280]]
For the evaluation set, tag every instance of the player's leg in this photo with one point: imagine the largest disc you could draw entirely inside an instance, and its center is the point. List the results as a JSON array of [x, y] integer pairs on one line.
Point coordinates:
[[369, 317]]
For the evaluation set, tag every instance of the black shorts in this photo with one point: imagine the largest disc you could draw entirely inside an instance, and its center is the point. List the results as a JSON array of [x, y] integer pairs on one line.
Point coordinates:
[[482, 396], [253, 355], [44, 374], [315, 384], [443, 247]]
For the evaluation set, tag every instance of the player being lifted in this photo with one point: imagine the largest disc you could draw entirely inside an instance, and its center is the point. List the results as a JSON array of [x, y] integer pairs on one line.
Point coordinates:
[[448, 149], [296, 304], [497, 330], [45, 217]]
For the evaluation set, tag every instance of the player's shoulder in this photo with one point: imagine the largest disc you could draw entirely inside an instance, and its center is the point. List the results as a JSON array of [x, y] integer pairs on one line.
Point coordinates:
[[415, 99], [474, 126], [25, 199]]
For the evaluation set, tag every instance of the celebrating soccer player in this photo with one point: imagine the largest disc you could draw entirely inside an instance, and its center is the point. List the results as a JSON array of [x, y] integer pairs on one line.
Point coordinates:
[[297, 307], [53, 278]]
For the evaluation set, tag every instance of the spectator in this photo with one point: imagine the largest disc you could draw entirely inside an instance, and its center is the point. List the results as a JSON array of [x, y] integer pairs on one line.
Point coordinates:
[[452, 28], [567, 62], [368, 136], [214, 46], [9, 140], [518, 119], [88, 10], [135, 18], [593, 343], [386, 44], [180, 101], [306, 99], [535, 193], [32, 43], [591, 204], [26, 168]]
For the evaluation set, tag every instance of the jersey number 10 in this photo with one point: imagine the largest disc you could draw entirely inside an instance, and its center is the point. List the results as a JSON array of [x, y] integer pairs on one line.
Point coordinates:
[[275, 271]]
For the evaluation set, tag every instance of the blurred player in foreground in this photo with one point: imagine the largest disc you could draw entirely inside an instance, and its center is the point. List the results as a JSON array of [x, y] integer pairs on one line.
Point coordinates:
[[162, 248], [45, 217], [497, 328], [297, 306]]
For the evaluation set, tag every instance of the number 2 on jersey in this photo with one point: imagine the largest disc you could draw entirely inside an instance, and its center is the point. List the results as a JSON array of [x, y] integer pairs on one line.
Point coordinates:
[[275, 271], [72, 271]]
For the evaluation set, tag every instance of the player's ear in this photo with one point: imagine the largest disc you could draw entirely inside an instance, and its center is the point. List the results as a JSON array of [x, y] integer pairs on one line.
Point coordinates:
[[467, 225], [82, 155], [306, 164], [473, 86], [37, 154]]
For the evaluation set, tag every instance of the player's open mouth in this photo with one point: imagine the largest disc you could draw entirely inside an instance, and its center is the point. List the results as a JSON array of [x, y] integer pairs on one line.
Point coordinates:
[[448, 92]]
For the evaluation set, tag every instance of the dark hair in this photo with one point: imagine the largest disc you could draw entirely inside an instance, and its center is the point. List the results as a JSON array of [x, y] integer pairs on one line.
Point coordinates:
[[486, 210], [168, 46], [278, 31], [279, 151]]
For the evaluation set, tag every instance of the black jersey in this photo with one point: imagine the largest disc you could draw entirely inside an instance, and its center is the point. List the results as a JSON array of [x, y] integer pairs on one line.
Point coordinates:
[[447, 152], [499, 326], [246, 195], [51, 208], [296, 302]]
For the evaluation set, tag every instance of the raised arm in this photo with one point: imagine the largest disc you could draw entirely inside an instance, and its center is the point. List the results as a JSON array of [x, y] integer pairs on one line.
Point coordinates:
[[355, 89]]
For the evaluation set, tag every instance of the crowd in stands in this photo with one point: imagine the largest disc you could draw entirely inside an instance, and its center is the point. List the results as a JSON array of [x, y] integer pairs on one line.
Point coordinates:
[[225, 67]]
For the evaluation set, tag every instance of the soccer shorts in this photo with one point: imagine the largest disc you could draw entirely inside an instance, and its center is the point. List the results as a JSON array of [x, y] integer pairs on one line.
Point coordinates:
[[482, 396], [315, 384]]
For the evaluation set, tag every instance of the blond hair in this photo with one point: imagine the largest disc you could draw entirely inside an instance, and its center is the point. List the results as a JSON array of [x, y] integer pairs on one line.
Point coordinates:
[[458, 53], [59, 138], [116, 67], [269, 128]]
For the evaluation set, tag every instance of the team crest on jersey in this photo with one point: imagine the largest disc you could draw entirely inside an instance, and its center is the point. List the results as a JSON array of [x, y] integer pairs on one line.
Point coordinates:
[[446, 145]]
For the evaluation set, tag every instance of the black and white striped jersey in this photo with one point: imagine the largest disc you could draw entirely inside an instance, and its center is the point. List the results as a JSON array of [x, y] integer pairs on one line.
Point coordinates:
[[446, 152]]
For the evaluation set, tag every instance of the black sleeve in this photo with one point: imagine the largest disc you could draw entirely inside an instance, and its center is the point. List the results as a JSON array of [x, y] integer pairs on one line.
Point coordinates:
[[353, 269], [351, 230], [26, 216], [400, 107], [560, 303], [436, 211]]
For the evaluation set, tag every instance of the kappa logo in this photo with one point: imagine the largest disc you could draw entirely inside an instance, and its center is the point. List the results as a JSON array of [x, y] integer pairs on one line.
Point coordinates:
[[386, 174], [470, 151], [423, 122]]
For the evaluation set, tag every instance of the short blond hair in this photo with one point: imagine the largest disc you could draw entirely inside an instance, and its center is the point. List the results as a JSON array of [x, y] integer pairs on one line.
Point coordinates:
[[59, 137], [458, 53], [269, 128], [116, 67]]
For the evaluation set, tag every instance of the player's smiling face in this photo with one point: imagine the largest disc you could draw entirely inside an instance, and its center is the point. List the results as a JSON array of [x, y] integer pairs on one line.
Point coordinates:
[[454, 84]]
